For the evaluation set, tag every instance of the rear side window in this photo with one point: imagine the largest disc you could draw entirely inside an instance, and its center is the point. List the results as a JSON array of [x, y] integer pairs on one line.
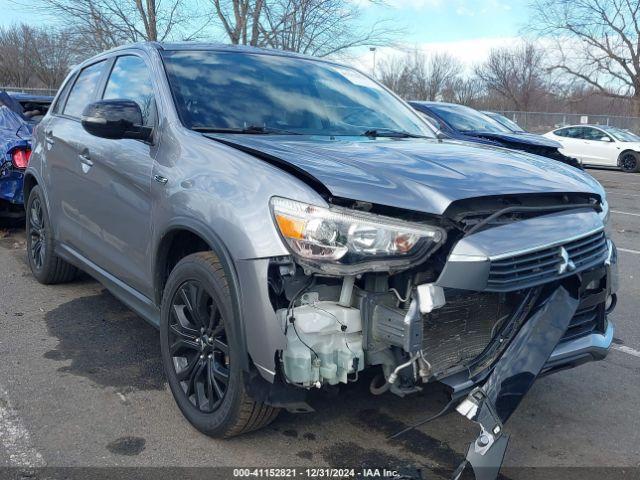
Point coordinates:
[[130, 80], [57, 107], [82, 92], [570, 132]]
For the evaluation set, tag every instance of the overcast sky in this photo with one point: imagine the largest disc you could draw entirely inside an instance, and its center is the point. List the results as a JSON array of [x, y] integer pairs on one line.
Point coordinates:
[[466, 28]]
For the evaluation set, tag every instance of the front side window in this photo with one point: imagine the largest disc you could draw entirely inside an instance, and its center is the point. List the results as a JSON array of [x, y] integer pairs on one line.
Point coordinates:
[[595, 135], [83, 89], [237, 91], [130, 80]]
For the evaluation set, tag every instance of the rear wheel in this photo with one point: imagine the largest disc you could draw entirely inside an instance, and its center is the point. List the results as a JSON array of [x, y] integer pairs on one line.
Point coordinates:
[[45, 265], [198, 337], [630, 162]]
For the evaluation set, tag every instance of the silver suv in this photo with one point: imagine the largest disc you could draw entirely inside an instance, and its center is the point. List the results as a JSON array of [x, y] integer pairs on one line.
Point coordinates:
[[287, 223]]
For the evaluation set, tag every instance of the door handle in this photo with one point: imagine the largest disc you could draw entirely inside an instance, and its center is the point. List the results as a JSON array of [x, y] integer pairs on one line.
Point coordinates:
[[84, 158], [48, 138], [160, 179]]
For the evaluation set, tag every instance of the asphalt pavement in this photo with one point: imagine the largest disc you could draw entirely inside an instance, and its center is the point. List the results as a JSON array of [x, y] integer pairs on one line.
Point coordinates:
[[81, 385]]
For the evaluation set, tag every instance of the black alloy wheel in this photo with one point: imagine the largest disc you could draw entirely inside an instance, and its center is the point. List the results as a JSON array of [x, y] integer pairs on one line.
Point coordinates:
[[203, 353], [198, 346], [37, 234], [45, 265], [629, 162]]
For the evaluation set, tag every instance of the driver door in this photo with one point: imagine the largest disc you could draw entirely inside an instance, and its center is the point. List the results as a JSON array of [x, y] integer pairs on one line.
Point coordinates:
[[600, 147], [120, 172]]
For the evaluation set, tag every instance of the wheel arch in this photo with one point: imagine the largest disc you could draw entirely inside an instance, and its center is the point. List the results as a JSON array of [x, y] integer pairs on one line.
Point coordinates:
[[204, 239], [628, 150], [29, 182]]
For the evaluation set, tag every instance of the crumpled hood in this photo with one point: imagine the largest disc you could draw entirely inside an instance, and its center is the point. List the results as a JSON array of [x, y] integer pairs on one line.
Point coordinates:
[[524, 138], [416, 174]]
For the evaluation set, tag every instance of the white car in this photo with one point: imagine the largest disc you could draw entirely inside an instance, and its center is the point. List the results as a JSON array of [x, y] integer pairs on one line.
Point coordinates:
[[600, 145]]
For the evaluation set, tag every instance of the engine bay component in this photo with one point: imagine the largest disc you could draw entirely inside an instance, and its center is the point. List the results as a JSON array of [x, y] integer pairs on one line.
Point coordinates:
[[394, 326], [324, 343], [430, 297]]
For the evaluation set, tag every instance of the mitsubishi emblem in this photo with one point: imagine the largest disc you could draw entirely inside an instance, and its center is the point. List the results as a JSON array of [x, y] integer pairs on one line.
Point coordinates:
[[566, 264]]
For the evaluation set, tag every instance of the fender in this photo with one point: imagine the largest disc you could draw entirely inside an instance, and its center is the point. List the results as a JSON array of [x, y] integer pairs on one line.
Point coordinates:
[[217, 246]]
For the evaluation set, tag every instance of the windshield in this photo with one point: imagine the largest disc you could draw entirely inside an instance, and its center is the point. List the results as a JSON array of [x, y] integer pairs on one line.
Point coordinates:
[[622, 135], [241, 91], [507, 122], [465, 119]]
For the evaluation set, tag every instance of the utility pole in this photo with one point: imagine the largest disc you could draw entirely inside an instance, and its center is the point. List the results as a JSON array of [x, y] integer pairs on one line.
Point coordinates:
[[373, 49]]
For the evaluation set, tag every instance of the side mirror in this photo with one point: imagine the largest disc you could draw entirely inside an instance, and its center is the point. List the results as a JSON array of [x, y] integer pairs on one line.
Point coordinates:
[[115, 119], [605, 139]]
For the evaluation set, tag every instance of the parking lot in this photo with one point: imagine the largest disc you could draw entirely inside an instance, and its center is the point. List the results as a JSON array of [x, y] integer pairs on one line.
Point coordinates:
[[81, 385]]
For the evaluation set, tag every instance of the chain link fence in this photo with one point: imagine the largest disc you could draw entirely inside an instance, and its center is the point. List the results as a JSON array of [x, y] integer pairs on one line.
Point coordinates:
[[542, 122], [34, 91]]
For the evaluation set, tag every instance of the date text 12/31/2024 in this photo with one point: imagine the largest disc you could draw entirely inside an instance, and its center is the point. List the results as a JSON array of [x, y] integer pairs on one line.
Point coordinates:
[[308, 473]]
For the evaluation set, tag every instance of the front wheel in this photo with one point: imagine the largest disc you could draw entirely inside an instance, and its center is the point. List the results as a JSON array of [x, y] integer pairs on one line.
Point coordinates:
[[629, 162], [198, 334]]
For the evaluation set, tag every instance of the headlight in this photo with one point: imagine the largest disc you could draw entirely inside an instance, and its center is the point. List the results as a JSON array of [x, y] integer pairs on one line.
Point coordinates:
[[342, 241], [605, 216]]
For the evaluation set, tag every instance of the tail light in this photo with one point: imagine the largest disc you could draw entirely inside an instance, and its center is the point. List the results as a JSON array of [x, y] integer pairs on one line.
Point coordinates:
[[20, 158]]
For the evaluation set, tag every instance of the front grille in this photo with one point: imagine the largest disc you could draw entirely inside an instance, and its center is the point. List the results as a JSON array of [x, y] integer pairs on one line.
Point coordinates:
[[461, 330], [542, 266], [585, 321]]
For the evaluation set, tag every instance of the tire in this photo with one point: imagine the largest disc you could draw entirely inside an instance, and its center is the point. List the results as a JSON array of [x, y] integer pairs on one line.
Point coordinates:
[[45, 265], [629, 162], [199, 338]]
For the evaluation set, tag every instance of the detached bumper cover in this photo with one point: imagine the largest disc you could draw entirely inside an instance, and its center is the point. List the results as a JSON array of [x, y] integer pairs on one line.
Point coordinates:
[[538, 348], [491, 405]]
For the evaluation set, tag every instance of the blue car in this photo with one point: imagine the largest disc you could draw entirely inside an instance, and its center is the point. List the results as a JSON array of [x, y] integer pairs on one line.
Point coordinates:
[[464, 123], [505, 121], [19, 113]]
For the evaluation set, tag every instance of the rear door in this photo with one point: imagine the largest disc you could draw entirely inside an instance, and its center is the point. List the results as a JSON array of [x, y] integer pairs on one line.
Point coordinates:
[[572, 142], [120, 181], [66, 144]]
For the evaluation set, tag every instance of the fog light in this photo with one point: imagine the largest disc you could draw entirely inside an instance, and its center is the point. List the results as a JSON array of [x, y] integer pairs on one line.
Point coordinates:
[[610, 303], [593, 284]]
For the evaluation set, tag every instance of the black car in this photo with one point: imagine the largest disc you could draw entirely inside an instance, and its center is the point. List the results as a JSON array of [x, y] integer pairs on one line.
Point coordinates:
[[464, 123]]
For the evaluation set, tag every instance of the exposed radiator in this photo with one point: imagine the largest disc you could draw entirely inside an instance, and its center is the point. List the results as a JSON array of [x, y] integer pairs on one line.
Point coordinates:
[[460, 331]]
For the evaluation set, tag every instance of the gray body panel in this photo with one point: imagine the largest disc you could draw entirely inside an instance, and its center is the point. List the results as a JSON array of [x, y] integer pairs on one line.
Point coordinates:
[[417, 174], [111, 218]]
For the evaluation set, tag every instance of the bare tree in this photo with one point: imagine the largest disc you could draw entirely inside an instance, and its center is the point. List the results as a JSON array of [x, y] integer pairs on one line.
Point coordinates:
[[515, 73], [433, 73], [52, 54], [15, 44], [396, 74], [240, 20], [312, 27], [598, 42], [320, 27], [419, 76], [102, 24], [34, 57], [465, 91]]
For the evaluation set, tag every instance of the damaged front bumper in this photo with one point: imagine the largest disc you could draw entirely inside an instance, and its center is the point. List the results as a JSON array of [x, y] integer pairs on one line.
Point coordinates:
[[495, 317], [530, 355], [576, 347]]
